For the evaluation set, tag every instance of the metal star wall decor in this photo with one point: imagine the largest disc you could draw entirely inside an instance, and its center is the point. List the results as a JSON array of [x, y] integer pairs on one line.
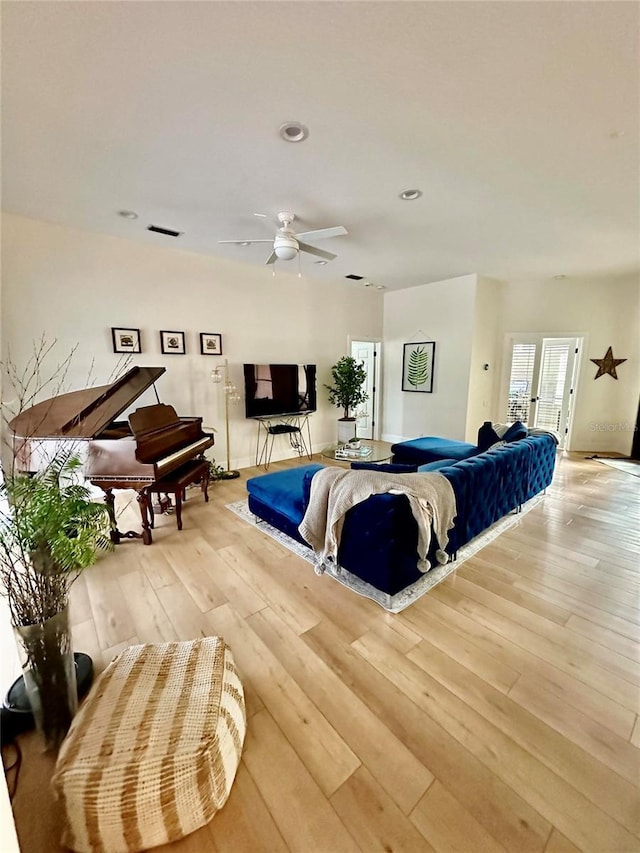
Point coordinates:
[[607, 364]]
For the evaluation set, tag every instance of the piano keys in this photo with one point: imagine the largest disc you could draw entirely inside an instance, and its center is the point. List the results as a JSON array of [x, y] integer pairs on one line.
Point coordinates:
[[131, 454]]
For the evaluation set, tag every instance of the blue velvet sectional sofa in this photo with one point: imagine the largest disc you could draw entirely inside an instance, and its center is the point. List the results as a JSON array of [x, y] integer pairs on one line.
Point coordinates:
[[379, 536]]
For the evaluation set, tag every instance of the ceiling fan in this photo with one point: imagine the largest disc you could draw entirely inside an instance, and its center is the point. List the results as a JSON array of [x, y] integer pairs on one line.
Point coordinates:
[[287, 243]]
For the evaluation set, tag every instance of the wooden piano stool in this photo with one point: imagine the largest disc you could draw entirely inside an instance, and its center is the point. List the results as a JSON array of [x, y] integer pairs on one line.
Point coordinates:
[[177, 481]]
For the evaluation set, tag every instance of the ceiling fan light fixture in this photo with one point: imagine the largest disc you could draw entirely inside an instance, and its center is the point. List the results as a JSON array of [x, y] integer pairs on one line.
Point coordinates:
[[286, 253], [410, 195], [285, 247], [293, 131]]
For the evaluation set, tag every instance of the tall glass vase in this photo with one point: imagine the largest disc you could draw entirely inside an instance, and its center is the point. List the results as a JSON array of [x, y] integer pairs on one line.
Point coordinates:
[[49, 673]]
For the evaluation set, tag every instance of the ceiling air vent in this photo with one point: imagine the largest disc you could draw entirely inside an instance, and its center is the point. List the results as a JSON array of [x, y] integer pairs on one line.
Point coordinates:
[[355, 277], [166, 231]]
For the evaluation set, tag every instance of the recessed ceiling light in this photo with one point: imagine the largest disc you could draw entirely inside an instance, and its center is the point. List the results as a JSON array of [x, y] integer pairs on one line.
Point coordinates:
[[559, 277], [245, 243], [380, 287], [320, 263], [410, 195], [293, 131], [128, 214], [616, 134]]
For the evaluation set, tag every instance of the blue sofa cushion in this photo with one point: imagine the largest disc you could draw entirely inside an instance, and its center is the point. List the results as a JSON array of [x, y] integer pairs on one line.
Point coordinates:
[[516, 431], [287, 492], [385, 467], [435, 466], [431, 448]]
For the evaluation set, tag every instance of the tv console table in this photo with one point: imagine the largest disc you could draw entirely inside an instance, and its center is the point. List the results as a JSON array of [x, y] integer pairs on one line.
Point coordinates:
[[293, 426]]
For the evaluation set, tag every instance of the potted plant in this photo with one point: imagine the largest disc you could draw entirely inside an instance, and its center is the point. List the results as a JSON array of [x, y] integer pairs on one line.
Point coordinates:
[[347, 392], [49, 531]]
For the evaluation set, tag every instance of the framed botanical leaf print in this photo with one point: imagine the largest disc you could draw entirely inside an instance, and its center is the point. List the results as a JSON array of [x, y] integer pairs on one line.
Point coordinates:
[[417, 366]]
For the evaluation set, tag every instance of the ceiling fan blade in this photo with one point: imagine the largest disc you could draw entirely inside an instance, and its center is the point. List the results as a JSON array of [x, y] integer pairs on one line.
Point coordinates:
[[245, 242], [323, 233], [311, 250], [272, 258]]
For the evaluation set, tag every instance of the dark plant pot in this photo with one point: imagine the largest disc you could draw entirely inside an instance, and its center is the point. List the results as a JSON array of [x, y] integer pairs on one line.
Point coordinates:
[[17, 715], [49, 673]]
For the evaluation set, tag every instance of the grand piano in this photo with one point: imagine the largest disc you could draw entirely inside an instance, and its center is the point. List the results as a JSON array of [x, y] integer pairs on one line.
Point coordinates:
[[117, 454]]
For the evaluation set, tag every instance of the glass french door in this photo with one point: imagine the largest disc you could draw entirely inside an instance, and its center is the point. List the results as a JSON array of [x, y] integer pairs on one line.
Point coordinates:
[[541, 382]]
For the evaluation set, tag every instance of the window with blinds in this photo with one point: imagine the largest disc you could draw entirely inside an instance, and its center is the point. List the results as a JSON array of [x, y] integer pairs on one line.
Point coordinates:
[[522, 363]]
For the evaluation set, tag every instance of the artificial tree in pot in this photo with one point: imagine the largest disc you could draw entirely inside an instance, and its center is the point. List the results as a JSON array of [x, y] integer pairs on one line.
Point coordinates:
[[347, 392]]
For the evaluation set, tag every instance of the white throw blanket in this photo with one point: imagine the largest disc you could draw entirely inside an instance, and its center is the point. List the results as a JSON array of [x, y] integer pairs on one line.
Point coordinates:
[[538, 431], [335, 490]]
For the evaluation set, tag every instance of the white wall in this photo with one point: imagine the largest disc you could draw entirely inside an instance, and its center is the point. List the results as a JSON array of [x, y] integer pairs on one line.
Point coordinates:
[[470, 317], [486, 349], [607, 313], [75, 285], [443, 312]]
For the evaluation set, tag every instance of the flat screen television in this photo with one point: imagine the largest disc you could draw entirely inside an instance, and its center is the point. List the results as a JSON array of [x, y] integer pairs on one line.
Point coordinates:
[[279, 389]]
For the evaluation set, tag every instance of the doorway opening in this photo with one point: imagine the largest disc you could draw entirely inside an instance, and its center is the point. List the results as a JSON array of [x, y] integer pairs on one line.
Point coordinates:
[[367, 416], [541, 379]]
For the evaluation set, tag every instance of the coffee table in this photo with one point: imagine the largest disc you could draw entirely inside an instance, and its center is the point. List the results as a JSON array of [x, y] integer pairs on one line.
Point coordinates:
[[380, 452]]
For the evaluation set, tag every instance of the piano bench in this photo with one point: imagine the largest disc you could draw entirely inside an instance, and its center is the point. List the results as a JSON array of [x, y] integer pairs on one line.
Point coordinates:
[[177, 481]]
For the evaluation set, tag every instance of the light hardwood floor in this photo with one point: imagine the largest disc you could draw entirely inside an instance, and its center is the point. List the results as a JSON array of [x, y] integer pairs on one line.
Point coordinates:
[[499, 712]]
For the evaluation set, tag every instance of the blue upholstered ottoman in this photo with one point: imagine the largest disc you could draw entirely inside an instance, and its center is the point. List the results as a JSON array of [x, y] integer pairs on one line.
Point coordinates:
[[431, 448], [281, 498]]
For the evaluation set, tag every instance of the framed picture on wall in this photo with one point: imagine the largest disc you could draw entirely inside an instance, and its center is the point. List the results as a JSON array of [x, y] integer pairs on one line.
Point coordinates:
[[126, 340], [210, 343], [172, 343], [417, 366]]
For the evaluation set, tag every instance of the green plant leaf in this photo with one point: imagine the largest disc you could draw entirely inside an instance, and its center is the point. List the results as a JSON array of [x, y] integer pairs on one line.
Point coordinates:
[[418, 367]]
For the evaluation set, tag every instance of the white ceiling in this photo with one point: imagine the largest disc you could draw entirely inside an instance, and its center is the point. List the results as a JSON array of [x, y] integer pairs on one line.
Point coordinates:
[[501, 113]]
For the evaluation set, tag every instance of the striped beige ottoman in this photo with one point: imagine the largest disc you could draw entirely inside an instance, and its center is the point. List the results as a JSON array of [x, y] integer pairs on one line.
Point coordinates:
[[152, 754]]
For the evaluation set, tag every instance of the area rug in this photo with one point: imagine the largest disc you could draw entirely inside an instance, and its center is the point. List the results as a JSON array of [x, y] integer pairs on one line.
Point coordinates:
[[629, 466], [401, 600]]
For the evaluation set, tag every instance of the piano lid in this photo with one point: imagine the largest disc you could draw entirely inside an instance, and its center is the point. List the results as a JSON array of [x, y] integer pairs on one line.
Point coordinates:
[[86, 413]]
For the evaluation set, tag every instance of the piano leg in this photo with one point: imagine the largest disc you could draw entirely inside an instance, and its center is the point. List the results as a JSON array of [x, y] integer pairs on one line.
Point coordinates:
[[143, 501], [117, 535], [110, 501]]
